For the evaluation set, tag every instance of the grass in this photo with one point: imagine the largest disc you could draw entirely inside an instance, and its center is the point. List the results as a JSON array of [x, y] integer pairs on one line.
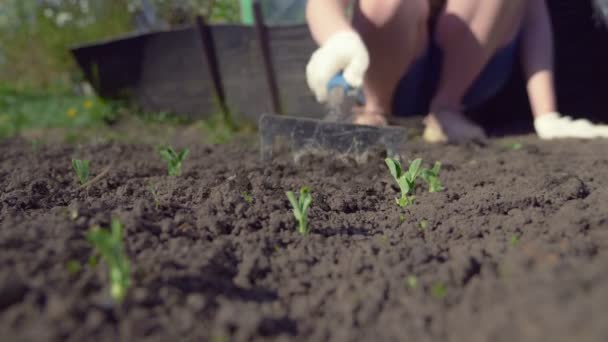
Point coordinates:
[[30, 109]]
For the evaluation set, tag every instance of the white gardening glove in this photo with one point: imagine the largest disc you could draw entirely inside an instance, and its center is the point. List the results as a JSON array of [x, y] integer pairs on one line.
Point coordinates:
[[343, 52], [555, 126]]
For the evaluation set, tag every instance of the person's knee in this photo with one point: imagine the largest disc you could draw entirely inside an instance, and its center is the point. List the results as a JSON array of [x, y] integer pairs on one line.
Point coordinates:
[[382, 12], [490, 23]]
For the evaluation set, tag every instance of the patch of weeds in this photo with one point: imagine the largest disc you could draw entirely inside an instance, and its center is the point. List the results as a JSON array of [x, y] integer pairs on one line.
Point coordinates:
[[300, 208], [405, 180], [154, 193], [439, 291], [173, 159], [81, 167], [423, 224], [431, 177], [514, 240], [247, 197], [110, 246], [412, 282], [73, 266]]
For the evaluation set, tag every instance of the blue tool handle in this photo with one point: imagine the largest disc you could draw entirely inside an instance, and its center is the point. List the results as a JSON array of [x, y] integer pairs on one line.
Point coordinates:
[[339, 81]]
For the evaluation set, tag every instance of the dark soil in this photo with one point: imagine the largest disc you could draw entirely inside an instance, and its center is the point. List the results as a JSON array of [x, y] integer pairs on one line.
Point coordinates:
[[515, 249]]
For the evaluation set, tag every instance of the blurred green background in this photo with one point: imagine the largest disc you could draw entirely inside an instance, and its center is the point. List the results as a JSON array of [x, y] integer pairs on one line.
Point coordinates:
[[40, 84]]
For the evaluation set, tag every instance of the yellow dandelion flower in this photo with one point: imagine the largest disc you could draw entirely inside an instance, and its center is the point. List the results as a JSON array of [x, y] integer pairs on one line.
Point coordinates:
[[88, 104], [72, 112]]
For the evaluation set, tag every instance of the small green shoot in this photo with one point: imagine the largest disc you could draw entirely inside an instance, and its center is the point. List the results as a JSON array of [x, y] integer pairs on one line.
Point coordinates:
[[174, 160], [431, 177], [300, 208], [515, 146], [93, 261], [81, 167], [401, 218], [155, 196], [424, 224], [514, 240], [405, 180], [412, 282], [247, 197], [439, 291], [109, 244], [73, 266]]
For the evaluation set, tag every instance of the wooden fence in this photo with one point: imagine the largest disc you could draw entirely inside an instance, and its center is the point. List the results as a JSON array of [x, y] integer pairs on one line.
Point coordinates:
[[199, 69]]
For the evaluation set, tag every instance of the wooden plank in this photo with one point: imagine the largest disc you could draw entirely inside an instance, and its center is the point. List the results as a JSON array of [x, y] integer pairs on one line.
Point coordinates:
[[161, 71], [291, 48], [112, 67], [174, 77], [242, 71]]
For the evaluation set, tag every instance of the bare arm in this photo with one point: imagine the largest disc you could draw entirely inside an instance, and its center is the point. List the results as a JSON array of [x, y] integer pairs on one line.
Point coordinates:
[[326, 17], [537, 58]]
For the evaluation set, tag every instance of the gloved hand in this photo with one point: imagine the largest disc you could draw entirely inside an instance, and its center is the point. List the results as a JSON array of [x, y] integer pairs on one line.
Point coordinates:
[[555, 126], [343, 52]]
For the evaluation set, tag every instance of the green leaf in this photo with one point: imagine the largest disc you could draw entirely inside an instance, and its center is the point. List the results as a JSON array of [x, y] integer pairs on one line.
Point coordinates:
[[73, 266], [109, 244], [292, 200], [247, 197], [183, 154], [173, 159], [404, 185], [439, 291], [414, 169], [168, 154], [412, 282], [305, 200], [514, 240], [81, 167], [424, 224], [394, 167], [436, 168]]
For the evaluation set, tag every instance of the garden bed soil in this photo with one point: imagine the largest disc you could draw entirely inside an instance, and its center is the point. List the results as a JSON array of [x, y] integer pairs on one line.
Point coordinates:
[[515, 248]]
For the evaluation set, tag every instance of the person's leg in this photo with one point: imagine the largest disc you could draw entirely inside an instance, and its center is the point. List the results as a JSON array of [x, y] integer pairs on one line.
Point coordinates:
[[395, 33], [469, 33]]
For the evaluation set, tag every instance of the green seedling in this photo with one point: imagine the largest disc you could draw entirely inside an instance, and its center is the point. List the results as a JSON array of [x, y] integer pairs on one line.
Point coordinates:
[[431, 177], [81, 167], [155, 196], [439, 291], [300, 208], [515, 146], [109, 245], [424, 224], [405, 180], [247, 197], [412, 282], [514, 240], [174, 160], [401, 218], [73, 266], [93, 261]]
